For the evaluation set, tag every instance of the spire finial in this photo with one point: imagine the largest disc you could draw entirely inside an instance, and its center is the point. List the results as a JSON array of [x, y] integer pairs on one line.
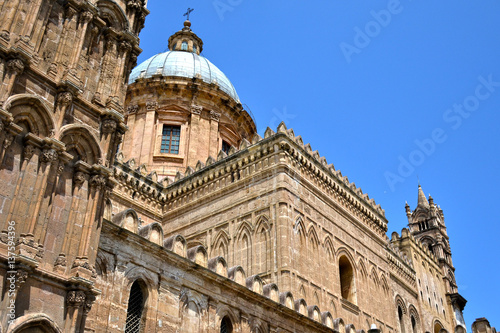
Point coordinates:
[[189, 10], [422, 200]]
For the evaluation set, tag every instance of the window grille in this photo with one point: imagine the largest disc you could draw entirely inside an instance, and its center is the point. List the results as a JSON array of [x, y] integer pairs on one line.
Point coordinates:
[[170, 139], [135, 309], [225, 326]]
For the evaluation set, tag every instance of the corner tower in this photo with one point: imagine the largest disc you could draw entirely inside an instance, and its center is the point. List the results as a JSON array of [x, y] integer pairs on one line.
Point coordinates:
[[426, 223], [182, 110]]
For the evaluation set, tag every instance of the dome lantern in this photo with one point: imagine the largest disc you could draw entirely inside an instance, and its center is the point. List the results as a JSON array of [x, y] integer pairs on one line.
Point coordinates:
[[185, 40]]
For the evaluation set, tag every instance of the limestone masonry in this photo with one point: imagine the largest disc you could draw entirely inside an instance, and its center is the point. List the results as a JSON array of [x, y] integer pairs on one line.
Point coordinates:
[[140, 198]]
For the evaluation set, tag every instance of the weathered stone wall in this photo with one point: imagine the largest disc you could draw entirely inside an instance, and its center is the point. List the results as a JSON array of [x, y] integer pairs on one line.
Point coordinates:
[[63, 66]]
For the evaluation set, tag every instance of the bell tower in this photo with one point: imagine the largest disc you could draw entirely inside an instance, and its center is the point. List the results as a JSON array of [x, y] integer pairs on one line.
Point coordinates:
[[426, 223]]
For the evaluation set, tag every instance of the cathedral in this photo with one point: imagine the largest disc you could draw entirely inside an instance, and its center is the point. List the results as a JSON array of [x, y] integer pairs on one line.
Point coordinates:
[[140, 198]]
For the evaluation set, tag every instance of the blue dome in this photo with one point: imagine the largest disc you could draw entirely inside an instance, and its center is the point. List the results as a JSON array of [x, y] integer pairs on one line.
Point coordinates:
[[184, 64]]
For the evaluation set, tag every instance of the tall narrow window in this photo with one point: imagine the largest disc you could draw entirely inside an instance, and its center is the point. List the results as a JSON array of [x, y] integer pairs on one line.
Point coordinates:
[[401, 320], [413, 324], [135, 309], [170, 139], [226, 326], [347, 280], [184, 46], [225, 146]]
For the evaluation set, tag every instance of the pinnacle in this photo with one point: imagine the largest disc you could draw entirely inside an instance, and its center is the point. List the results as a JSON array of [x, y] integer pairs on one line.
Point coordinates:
[[422, 200]]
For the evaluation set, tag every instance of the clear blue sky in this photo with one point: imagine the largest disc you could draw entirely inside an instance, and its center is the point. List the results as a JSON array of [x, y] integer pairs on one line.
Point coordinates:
[[387, 91]]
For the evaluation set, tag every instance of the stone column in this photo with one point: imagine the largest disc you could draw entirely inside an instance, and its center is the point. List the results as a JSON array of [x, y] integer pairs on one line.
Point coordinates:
[[14, 68], [149, 134], [85, 18], [214, 134], [107, 69], [9, 13], [28, 152], [123, 52], [70, 15], [194, 135], [30, 19], [75, 301], [79, 178], [47, 159]]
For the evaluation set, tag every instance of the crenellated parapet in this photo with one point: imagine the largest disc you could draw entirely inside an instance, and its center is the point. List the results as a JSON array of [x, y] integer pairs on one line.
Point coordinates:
[[216, 272]]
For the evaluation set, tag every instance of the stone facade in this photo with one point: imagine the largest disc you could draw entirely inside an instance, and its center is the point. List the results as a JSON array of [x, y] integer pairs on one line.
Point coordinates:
[[231, 233]]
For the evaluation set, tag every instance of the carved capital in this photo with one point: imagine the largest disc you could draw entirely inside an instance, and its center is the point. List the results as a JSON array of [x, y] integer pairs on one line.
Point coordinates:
[[133, 4], [111, 43], [196, 109], [21, 277], [79, 178], [70, 12], [132, 109], [109, 125], [75, 298], [86, 17], [64, 98], [49, 155], [8, 140], [98, 181], [28, 152], [15, 66], [214, 115], [125, 46], [151, 105]]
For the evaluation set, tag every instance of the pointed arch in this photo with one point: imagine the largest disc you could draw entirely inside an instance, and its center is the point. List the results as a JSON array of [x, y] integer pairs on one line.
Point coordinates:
[[414, 319], [312, 236], [32, 113], [226, 313], [80, 141], [220, 245], [374, 276], [299, 227], [400, 303], [384, 284], [347, 275], [302, 291], [261, 245], [243, 247], [329, 249], [362, 269], [262, 223]]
